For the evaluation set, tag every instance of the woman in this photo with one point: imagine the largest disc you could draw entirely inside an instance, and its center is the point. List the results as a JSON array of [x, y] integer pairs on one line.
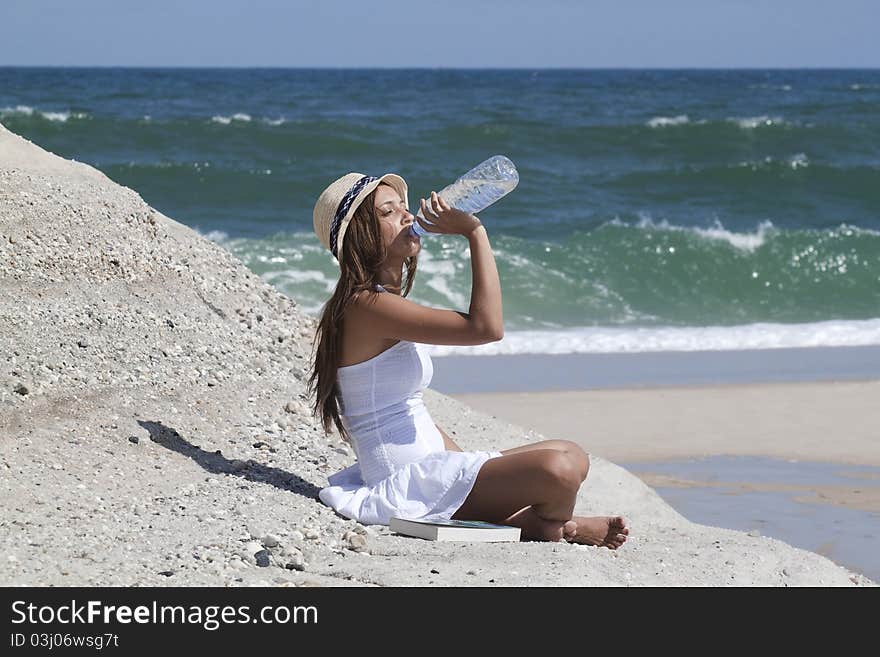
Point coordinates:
[[370, 369]]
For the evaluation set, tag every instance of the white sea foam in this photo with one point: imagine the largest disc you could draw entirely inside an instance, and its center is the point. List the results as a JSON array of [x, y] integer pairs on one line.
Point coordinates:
[[25, 110], [665, 121], [217, 236], [796, 161], [834, 333], [226, 120], [747, 123], [18, 109], [799, 161], [438, 274], [848, 230], [289, 279], [300, 276], [275, 259], [63, 116], [752, 122], [743, 241]]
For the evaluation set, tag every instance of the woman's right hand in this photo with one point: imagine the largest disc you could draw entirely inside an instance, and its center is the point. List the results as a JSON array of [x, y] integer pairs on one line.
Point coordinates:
[[443, 218]]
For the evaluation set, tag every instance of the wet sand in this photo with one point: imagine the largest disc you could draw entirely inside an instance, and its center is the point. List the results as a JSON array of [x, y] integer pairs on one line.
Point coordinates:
[[796, 461], [827, 508]]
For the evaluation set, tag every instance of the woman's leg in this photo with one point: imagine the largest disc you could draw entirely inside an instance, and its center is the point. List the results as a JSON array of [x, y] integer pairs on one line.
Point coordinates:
[[537, 524], [571, 448], [545, 479]]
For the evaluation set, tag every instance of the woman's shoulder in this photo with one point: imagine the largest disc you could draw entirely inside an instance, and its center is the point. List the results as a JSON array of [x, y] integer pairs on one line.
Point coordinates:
[[362, 301], [367, 293]]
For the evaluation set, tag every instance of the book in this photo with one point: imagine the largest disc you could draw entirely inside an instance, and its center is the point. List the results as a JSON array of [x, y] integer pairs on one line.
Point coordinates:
[[454, 530]]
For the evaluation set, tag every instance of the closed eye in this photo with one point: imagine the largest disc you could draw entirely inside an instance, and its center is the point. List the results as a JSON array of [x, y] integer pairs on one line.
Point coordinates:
[[385, 214]]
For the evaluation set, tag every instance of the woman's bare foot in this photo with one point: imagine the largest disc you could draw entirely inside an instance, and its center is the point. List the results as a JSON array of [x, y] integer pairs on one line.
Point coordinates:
[[603, 531], [536, 528]]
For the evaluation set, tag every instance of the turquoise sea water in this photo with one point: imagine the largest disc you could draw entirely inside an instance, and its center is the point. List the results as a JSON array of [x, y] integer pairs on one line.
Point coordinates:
[[657, 210]]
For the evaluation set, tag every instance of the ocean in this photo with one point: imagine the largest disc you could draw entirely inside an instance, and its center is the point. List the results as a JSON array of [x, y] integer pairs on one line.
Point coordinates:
[[657, 210]]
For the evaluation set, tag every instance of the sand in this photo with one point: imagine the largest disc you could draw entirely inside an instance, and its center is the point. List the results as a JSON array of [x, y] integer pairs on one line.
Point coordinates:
[[797, 461], [820, 421], [154, 428]]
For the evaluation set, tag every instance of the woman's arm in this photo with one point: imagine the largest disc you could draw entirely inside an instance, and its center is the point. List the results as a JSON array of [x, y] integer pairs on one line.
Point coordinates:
[[450, 444], [485, 284]]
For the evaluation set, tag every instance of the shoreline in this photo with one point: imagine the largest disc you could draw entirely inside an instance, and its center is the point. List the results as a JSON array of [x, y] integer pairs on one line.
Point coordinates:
[[825, 508], [500, 373]]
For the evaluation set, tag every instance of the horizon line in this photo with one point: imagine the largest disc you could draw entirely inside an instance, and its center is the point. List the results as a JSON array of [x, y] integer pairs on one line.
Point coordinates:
[[452, 68]]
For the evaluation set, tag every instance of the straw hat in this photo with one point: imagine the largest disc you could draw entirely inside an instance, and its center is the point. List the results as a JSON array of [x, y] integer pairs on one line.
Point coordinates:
[[337, 203]]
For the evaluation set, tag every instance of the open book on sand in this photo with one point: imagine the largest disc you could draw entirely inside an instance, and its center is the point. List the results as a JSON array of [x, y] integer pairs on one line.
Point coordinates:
[[454, 530]]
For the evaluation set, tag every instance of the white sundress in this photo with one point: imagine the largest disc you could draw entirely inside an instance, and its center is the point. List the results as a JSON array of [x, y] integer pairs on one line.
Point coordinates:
[[402, 467]]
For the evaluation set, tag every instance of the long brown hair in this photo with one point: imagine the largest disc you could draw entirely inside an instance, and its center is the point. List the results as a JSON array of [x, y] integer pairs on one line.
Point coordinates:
[[362, 253]]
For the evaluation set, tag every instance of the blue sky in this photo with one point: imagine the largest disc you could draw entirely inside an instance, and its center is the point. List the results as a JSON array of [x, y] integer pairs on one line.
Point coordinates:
[[443, 33]]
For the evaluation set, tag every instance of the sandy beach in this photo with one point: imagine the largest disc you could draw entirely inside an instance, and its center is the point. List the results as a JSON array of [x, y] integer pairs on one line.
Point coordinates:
[[818, 421], [154, 427], [785, 459]]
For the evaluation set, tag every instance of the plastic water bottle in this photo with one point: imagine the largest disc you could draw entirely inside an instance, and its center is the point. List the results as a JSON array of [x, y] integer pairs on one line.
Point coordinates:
[[477, 189]]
